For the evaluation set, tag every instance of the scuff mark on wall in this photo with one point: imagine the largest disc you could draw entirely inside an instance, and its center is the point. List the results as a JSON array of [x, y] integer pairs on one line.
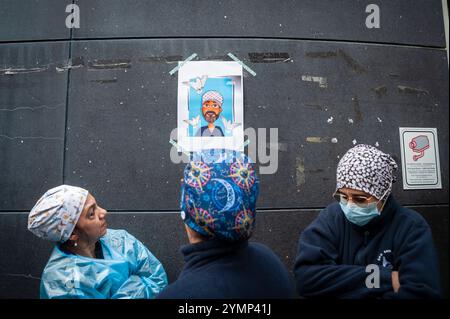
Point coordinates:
[[300, 171], [110, 64], [269, 57], [316, 139], [355, 65], [356, 109], [32, 108], [380, 90], [105, 81], [321, 80], [411, 90], [74, 63], [219, 58], [162, 59], [30, 137], [351, 62], [14, 71]]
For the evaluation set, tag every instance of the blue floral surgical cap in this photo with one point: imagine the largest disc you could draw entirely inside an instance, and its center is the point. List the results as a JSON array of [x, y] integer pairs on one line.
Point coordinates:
[[219, 194]]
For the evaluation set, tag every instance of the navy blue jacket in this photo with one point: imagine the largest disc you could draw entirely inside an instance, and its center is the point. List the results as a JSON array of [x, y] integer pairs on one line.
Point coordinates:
[[333, 254], [219, 270]]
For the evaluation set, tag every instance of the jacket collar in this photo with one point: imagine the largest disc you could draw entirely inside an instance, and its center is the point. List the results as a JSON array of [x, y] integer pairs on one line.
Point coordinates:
[[209, 249]]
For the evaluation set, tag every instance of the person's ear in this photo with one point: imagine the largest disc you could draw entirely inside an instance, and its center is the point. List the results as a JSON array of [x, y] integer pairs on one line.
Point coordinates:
[[193, 236], [188, 232], [187, 229], [74, 236]]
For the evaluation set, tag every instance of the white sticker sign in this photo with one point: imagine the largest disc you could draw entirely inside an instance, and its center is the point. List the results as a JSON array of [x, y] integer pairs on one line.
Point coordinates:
[[420, 158]]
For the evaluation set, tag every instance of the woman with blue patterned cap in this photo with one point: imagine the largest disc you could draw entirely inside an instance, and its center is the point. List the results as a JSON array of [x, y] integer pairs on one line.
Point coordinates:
[[218, 208], [90, 260]]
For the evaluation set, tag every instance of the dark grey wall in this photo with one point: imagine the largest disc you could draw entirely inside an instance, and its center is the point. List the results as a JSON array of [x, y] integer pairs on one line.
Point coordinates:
[[417, 22], [94, 107]]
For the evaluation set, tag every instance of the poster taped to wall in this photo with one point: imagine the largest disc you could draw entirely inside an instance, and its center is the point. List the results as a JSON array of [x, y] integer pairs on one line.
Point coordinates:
[[210, 106]]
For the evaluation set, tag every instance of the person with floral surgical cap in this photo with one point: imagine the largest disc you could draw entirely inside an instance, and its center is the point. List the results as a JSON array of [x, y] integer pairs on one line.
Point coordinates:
[[211, 109], [365, 227], [218, 207], [90, 260]]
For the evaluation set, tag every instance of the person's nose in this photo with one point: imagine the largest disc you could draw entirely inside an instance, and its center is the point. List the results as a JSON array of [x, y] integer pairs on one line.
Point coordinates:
[[103, 213]]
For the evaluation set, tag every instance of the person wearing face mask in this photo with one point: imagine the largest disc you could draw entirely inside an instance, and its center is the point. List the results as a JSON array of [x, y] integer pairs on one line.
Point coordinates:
[[90, 260], [366, 226]]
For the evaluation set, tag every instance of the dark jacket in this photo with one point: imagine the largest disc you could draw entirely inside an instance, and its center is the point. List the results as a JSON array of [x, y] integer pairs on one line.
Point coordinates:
[[220, 270], [333, 254]]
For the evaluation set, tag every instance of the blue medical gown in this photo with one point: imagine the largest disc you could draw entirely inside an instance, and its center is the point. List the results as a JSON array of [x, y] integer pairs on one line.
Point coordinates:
[[128, 270]]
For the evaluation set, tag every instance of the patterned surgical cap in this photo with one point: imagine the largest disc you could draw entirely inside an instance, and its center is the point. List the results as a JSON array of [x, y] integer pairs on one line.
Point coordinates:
[[56, 213], [219, 194], [367, 169]]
